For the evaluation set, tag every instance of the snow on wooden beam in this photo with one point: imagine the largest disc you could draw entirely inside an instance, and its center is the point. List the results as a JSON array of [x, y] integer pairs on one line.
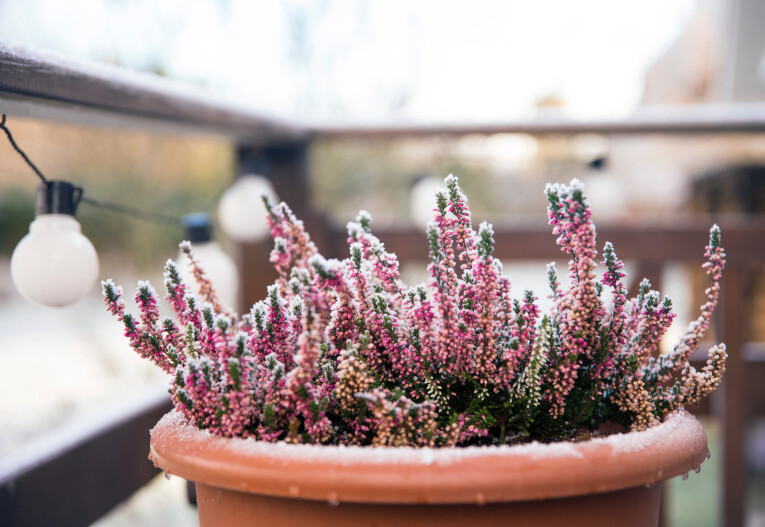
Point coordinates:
[[685, 119], [49, 86]]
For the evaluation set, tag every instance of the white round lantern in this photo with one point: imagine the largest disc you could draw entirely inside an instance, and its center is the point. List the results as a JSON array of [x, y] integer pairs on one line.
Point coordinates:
[[218, 265], [55, 264], [241, 212], [422, 200]]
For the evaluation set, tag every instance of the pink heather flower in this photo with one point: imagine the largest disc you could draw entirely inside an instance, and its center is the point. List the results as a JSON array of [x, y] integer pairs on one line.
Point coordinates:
[[293, 247], [206, 289], [676, 360], [618, 322], [579, 308], [144, 335], [342, 352], [384, 265]]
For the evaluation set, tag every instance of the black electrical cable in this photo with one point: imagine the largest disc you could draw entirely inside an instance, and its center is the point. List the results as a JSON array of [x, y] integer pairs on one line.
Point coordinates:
[[114, 207], [130, 211], [20, 151]]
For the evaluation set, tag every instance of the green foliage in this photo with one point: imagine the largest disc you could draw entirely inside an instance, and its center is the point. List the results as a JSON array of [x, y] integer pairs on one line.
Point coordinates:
[[16, 213]]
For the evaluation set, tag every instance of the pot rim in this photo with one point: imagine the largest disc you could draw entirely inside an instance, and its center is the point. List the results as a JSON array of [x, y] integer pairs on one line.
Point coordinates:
[[430, 475]]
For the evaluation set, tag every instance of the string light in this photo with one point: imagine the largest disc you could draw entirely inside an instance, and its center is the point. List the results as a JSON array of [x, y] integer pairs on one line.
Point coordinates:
[[240, 211], [217, 264], [56, 265], [422, 199]]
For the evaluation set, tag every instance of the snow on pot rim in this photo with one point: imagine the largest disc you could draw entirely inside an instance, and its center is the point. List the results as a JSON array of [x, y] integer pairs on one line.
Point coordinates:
[[428, 475]]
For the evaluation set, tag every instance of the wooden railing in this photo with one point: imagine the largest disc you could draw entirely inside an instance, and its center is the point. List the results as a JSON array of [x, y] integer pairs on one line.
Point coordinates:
[[108, 459], [76, 474]]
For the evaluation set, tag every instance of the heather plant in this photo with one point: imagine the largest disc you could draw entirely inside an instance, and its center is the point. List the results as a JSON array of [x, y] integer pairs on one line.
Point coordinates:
[[342, 352]]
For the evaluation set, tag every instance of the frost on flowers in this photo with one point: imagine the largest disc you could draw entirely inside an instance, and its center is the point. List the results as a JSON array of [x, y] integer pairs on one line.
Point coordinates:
[[343, 352]]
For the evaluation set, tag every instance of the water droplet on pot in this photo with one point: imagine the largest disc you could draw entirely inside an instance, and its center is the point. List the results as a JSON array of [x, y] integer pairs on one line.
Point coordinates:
[[480, 499], [333, 499], [684, 476], [294, 491], [697, 469], [167, 476]]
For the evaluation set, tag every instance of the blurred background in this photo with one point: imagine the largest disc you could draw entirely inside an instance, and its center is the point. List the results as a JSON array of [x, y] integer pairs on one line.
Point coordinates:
[[334, 62]]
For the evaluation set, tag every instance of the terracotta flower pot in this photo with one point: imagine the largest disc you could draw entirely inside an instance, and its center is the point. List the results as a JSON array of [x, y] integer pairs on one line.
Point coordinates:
[[615, 480]]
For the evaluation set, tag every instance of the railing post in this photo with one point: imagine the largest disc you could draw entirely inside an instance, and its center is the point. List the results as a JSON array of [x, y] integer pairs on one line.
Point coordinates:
[[730, 403], [286, 165]]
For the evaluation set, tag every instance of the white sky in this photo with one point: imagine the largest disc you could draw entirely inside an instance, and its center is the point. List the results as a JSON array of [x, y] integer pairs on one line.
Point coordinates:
[[425, 60]]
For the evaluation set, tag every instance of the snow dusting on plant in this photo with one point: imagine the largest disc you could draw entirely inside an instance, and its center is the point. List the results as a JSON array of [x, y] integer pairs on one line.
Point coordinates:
[[342, 352]]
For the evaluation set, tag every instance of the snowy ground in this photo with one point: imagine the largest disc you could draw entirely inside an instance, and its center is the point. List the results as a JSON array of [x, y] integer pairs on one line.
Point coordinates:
[[57, 364], [60, 365], [161, 503]]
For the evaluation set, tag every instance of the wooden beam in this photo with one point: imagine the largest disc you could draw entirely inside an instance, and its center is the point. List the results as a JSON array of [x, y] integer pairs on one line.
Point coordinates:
[[686, 119], [73, 476], [54, 87], [681, 240]]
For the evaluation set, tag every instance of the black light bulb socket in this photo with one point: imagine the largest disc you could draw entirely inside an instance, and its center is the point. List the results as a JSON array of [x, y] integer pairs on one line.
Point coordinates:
[[57, 197], [198, 227], [254, 165]]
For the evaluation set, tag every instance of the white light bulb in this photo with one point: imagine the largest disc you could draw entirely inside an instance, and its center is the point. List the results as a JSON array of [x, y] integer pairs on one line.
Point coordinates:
[[220, 269], [588, 147], [605, 194], [422, 200], [55, 264], [516, 151], [241, 212]]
